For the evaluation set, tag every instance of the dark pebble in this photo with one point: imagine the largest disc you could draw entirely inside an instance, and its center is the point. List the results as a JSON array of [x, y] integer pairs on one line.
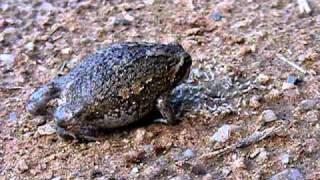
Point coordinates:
[[217, 16], [292, 79]]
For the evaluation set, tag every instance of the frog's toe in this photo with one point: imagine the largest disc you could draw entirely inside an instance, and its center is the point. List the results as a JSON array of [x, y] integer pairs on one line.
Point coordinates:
[[65, 135]]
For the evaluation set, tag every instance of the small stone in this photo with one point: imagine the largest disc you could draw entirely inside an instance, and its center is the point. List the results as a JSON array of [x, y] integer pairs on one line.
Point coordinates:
[[289, 174], [285, 159], [244, 50], [263, 79], [226, 171], [255, 102], [286, 86], [148, 2], [188, 153], [57, 178], [181, 177], [29, 46], [94, 173], [22, 166], [134, 170], [312, 116], [312, 145], [223, 133], [274, 94], [198, 170], [140, 133], [292, 79], [193, 31], [84, 41], [263, 155], [7, 58], [119, 21], [46, 129], [66, 51], [207, 177], [225, 7], [38, 121], [307, 104], [239, 164], [268, 116], [216, 16], [12, 116], [134, 156]]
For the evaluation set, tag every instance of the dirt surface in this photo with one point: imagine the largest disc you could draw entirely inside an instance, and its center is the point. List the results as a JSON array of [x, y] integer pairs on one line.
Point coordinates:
[[240, 85]]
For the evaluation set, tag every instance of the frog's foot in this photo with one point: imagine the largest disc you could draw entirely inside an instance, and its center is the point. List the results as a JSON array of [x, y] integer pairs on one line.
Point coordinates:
[[37, 102], [65, 135], [83, 135], [167, 112]]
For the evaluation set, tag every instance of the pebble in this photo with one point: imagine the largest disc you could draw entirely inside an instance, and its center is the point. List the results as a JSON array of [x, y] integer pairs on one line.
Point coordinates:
[[292, 79], [263, 79], [139, 136], [181, 177], [12, 116], [119, 22], [216, 16], [38, 121], [198, 170], [148, 2], [239, 164], [274, 94], [286, 86], [188, 153], [225, 7], [66, 51], [22, 166], [312, 116], [46, 129], [244, 50], [223, 133], [307, 104], [134, 156], [57, 178], [7, 58], [285, 158], [289, 174], [207, 177], [29, 46], [254, 102], [263, 155], [134, 170], [94, 173], [268, 116], [312, 145]]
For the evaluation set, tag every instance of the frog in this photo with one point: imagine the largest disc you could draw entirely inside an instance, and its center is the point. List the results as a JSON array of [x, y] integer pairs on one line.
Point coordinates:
[[114, 87]]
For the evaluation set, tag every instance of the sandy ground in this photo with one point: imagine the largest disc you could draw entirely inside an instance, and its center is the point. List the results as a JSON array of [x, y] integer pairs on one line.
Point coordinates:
[[240, 86]]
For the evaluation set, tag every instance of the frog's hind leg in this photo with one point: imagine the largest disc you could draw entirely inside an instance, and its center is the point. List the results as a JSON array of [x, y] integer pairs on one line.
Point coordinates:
[[81, 135], [37, 102]]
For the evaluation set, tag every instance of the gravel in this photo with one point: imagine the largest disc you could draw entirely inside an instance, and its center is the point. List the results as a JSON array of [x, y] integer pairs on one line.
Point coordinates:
[[288, 174]]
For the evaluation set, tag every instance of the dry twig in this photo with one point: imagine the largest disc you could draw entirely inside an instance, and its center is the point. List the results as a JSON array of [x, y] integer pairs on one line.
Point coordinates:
[[247, 141], [281, 57]]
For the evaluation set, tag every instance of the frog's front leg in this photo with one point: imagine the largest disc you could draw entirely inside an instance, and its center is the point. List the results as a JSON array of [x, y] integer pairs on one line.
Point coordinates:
[[166, 110], [70, 126], [37, 103]]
